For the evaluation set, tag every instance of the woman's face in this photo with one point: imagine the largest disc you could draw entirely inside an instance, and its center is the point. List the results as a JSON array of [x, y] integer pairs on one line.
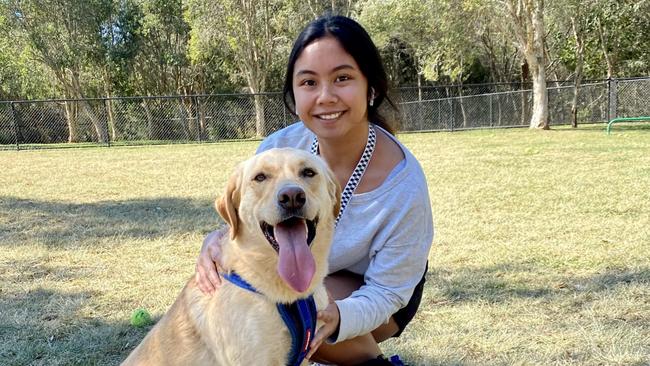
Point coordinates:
[[330, 91]]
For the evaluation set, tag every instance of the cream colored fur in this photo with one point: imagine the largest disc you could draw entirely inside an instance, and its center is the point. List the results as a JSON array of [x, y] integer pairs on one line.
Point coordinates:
[[235, 326]]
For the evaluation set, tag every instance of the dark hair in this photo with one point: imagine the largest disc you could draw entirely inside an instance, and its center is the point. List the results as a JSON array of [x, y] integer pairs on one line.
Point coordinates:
[[355, 41]]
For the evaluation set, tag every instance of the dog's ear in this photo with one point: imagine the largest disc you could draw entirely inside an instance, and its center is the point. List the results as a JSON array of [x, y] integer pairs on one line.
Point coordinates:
[[337, 199], [334, 190], [228, 204]]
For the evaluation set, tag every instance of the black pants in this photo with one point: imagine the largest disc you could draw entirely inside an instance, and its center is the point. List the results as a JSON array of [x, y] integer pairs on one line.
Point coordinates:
[[404, 315]]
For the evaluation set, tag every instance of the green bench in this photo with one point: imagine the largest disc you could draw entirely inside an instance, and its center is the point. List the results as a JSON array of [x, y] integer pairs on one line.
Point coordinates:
[[625, 119]]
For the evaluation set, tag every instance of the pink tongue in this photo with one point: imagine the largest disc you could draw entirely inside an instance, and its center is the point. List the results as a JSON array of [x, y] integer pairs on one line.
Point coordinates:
[[296, 265]]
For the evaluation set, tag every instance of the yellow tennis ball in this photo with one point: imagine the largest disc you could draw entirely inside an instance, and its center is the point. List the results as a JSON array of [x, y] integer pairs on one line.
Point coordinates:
[[140, 318]]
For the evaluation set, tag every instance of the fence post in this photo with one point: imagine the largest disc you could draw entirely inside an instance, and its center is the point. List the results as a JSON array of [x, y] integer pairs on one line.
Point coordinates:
[[16, 126], [612, 104]]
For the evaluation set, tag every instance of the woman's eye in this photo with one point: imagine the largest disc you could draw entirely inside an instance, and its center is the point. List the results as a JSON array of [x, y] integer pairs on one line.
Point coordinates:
[[308, 172], [260, 177], [343, 78], [307, 83]]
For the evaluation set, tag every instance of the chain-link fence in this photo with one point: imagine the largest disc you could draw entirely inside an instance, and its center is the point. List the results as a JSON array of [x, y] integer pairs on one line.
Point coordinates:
[[207, 118]]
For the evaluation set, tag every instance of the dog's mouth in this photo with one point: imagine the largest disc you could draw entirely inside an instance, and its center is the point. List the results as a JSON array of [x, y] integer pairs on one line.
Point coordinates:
[[292, 224], [291, 239]]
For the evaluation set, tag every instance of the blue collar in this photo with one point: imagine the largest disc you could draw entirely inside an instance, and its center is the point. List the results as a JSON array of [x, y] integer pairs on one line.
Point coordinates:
[[299, 317]]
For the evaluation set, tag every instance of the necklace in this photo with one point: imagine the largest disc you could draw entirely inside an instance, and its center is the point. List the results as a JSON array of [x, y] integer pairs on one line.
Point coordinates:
[[359, 170]]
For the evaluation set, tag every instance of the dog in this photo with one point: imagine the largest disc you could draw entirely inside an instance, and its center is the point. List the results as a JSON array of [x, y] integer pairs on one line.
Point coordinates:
[[281, 207]]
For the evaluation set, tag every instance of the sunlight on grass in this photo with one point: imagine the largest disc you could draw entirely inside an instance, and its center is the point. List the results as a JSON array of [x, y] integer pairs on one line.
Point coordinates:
[[540, 256]]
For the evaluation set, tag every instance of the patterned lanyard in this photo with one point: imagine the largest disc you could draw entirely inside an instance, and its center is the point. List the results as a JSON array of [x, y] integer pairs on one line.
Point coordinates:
[[356, 176]]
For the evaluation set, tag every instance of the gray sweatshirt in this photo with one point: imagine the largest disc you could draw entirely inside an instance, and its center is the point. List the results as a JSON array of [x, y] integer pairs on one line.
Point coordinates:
[[384, 235]]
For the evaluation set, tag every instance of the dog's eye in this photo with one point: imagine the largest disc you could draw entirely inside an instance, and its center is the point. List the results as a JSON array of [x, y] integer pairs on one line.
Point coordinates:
[[308, 172], [260, 177]]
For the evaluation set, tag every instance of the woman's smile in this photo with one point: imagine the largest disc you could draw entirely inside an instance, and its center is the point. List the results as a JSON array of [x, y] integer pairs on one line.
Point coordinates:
[[329, 116]]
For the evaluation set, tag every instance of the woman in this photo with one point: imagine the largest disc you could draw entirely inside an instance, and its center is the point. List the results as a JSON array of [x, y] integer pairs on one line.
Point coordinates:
[[335, 83]]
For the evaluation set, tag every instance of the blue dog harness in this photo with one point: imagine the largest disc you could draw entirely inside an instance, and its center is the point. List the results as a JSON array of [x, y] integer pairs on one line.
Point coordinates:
[[299, 317]]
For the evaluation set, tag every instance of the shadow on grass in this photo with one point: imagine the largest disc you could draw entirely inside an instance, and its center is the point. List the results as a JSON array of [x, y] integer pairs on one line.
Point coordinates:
[[42, 327], [495, 284], [60, 223]]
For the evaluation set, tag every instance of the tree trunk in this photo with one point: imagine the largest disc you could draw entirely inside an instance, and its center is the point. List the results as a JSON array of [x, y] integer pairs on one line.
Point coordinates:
[[461, 101], [111, 120], [70, 108], [70, 117], [528, 24], [536, 60], [525, 73], [200, 111], [450, 101], [539, 119], [190, 117], [603, 46], [109, 107], [577, 33], [260, 123], [147, 112], [100, 127]]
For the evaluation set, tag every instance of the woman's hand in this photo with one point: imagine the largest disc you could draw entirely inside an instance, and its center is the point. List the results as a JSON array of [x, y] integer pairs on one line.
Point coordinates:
[[207, 274], [331, 317]]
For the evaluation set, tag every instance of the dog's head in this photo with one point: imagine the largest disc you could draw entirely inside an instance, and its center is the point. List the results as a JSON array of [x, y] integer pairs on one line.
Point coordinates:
[[288, 200]]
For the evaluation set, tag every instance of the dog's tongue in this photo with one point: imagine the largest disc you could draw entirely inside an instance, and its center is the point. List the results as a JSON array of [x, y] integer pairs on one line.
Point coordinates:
[[296, 265]]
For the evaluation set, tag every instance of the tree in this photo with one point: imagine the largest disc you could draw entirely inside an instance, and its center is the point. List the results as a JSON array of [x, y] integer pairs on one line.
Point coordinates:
[[527, 21], [252, 32], [21, 76], [163, 65], [68, 45], [400, 29]]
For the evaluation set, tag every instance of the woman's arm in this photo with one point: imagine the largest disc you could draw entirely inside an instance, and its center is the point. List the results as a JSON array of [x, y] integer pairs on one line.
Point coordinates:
[[207, 274], [397, 259]]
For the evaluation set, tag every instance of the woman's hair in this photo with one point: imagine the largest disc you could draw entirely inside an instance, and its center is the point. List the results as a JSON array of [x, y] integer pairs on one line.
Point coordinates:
[[356, 42]]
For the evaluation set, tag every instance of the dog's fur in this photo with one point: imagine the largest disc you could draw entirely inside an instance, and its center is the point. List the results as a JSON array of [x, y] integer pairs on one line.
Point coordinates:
[[235, 326]]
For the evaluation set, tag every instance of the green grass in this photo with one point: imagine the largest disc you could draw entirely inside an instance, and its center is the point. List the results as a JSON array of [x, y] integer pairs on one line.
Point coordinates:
[[541, 254]]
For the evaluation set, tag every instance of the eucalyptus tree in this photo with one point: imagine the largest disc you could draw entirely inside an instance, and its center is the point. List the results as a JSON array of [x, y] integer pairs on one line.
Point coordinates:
[[404, 33], [526, 19], [21, 77], [252, 36], [65, 36]]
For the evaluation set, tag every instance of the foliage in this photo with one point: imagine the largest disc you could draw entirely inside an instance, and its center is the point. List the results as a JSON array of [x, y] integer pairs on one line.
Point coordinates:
[[150, 47]]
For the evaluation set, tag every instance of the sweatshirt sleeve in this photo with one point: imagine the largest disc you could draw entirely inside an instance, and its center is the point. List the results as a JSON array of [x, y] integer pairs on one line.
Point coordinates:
[[396, 265]]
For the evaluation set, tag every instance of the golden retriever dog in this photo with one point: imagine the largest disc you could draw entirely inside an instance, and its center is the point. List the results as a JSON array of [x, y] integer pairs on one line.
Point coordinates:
[[281, 206]]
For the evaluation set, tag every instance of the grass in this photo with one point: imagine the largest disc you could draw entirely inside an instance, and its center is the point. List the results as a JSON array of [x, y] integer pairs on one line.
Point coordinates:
[[541, 254]]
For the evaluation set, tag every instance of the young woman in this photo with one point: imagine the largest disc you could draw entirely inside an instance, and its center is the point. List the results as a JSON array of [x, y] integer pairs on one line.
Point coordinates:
[[335, 83]]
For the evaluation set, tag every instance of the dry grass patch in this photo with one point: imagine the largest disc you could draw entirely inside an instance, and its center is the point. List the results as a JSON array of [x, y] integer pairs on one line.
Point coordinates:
[[540, 257]]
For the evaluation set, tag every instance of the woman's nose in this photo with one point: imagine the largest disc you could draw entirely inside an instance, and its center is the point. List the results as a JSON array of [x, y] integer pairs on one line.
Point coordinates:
[[327, 95]]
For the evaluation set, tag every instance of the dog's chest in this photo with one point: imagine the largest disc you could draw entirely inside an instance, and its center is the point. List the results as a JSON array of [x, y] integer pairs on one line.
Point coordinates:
[[246, 329]]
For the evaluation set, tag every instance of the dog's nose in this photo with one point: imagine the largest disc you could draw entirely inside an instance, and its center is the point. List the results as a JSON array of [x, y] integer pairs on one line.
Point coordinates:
[[291, 198]]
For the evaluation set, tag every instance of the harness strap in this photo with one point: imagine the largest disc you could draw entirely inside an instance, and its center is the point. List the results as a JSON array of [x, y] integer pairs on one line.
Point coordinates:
[[299, 317], [234, 278]]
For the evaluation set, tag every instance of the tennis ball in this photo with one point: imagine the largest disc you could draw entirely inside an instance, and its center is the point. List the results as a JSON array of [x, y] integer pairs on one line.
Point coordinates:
[[140, 318]]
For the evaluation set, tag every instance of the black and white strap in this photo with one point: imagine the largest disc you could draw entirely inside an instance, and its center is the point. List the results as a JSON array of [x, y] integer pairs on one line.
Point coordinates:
[[359, 170]]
